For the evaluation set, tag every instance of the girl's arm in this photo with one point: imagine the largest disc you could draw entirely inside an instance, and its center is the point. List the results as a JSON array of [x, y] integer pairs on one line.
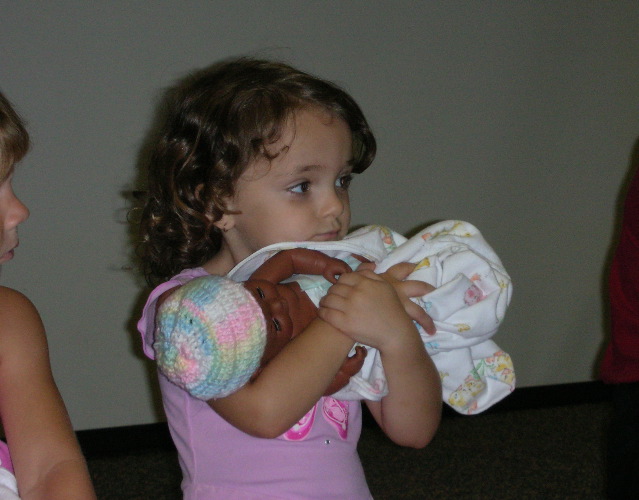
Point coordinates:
[[289, 385], [411, 412], [46, 456]]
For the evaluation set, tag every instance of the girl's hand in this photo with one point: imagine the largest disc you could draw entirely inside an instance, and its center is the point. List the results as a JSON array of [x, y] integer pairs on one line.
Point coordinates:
[[396, 276], [366, 307], [369, 307]]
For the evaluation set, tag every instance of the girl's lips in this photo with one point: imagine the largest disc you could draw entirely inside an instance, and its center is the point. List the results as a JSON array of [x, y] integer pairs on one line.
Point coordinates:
[[7, 256], [333, 235]]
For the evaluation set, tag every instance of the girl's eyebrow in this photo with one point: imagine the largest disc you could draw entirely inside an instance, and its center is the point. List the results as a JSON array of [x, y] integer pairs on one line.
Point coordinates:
[[302, 169], [298, 170]]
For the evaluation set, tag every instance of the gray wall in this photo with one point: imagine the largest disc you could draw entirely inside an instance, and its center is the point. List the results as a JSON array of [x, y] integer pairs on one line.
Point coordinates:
[[520, 117]]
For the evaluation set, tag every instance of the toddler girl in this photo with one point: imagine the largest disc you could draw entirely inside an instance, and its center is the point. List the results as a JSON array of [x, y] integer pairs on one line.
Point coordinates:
[[253, 153], [46, 457]]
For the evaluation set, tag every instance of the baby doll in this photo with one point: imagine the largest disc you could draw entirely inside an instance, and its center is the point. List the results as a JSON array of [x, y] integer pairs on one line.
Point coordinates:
[[219, 334]]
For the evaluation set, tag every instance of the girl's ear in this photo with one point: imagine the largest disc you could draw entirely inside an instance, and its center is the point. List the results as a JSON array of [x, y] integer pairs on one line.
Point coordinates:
[[225, 223]]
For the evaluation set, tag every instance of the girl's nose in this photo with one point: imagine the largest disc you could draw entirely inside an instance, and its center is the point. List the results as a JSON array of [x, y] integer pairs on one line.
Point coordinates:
[[333, 205], [18, 212]]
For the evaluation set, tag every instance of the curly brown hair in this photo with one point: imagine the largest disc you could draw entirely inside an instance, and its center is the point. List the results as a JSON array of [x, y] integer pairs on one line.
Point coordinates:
[[218, 120], [14, 139]]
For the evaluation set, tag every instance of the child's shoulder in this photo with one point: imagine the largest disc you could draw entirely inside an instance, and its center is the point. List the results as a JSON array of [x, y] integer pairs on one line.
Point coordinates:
[[18, 315], [11, 299]]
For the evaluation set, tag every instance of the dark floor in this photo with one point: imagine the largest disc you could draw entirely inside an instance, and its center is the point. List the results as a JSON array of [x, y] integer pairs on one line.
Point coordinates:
[[542, 453]]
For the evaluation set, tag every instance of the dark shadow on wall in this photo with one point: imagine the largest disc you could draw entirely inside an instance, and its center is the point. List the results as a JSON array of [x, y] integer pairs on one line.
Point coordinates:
[[134, 195]]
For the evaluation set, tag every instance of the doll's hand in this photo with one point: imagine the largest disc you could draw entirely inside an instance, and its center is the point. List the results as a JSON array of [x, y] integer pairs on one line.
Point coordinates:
[[350, 367], [335, 267]]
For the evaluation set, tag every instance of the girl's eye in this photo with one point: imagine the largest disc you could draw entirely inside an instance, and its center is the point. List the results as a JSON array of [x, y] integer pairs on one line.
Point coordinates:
[[276, 324], [344, 181], [260, 292], [300, 188]]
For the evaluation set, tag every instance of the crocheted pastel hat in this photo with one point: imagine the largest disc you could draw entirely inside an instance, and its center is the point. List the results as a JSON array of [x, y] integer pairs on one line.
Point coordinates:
[[210, 336]]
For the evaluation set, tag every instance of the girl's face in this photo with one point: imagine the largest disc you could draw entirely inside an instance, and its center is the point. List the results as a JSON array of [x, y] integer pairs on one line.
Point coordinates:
[[301, 195], [12, 213]]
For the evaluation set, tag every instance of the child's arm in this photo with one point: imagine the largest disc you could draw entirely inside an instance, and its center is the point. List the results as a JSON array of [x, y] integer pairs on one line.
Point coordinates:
[[411, 412], [287, 386], [290, 384], [46, 456]]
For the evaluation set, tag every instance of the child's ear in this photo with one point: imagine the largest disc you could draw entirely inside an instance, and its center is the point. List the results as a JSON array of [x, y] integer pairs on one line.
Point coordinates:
[[225, 223]]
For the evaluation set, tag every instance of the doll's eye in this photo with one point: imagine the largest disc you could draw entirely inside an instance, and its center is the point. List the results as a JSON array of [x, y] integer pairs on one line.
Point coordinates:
[[276, 324], [260, 292]]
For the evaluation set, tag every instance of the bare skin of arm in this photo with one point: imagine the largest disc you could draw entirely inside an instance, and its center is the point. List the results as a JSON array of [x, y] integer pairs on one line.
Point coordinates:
[[410, 416], [47, 459], [411, 412], [316, 352], [265, 407]]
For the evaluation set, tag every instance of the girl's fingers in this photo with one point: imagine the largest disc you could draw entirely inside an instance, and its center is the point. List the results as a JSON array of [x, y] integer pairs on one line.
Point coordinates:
[[370, 266], [338, 290], [333, 301], [414, 288], [417, 314], [400, 271]]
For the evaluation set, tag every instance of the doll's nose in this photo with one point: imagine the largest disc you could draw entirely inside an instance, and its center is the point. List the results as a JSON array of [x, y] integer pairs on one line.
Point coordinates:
[[278, 306]]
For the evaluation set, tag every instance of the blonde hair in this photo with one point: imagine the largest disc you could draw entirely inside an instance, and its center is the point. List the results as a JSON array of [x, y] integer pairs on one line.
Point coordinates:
[[14, 138]]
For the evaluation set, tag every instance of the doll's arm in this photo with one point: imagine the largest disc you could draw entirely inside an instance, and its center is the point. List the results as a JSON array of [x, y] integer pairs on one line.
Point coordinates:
[[300, 261], [47, 460]]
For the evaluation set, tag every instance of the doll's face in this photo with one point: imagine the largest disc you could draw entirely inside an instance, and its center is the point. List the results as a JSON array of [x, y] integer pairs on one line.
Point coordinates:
[[275, 307]]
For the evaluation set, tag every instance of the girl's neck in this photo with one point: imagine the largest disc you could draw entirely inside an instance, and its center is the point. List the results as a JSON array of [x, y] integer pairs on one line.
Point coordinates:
[[218, 266], [221, 263]]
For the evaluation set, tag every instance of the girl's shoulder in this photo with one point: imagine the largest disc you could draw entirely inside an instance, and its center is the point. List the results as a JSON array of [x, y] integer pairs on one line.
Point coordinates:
[[14, 304], [19, 318]]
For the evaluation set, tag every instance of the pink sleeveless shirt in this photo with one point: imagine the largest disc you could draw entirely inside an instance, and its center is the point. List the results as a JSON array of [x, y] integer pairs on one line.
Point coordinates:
[[5, 458], [316, 459]]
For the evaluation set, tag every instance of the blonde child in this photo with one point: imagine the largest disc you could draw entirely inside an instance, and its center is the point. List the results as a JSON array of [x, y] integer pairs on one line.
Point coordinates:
[[254, 153], [45, 455]]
